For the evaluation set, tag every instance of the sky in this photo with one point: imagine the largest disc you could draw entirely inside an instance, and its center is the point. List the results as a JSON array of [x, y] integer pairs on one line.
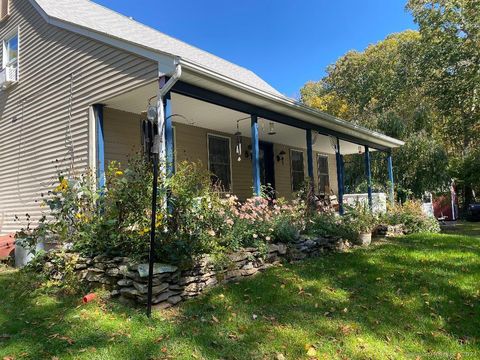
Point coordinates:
[[286, 42]]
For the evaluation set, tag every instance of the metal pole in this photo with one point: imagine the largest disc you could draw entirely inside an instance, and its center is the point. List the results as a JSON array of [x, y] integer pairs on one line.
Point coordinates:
[[151, 257]]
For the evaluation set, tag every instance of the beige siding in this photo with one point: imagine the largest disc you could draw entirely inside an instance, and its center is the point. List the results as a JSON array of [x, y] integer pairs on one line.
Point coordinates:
[[191, 145], [122, 135], [36, 133]]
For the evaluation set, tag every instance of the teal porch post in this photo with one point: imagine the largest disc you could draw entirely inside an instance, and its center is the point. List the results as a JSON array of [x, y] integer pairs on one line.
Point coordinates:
[[255, 157], [368, 173]]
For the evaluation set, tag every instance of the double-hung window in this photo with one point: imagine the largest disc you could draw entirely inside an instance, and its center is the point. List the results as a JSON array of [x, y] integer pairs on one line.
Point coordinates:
[[219, 161], [322, 172], [297, 168]]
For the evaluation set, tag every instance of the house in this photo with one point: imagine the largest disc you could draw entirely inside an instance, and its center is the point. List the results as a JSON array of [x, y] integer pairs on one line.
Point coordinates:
[[77, 79]]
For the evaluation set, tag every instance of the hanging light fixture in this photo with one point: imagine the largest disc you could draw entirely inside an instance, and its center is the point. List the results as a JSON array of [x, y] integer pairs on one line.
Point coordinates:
[[271, 130], [238, 147], [360, 149]]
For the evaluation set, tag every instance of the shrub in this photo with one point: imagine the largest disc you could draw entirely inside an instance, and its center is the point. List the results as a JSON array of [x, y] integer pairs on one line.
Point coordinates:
[[330, 224], [410, 215], [360, 218]]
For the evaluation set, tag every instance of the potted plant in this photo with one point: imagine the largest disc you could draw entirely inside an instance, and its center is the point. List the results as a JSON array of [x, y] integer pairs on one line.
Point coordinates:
[[362, 221]]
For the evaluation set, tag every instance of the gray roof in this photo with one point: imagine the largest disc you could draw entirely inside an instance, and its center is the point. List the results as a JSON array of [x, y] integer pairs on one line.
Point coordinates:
[[92, 16]]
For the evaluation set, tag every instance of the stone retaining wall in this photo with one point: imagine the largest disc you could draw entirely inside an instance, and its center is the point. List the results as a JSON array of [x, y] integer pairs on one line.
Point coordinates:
[[127, 280]]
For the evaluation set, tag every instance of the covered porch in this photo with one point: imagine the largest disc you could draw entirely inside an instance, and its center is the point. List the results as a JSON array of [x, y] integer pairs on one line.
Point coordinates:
[[244, 146]]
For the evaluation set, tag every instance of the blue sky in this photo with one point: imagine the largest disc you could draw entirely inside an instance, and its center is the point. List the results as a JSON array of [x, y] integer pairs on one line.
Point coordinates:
[[286, 42]]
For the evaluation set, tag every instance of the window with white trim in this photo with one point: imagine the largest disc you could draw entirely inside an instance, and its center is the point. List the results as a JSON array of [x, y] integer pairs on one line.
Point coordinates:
[[219, 161], [4, 9], [322, 173], [297, 169], [10, 51]]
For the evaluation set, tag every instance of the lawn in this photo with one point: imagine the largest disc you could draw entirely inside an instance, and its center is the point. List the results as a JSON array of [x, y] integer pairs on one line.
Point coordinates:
[[409, 298]]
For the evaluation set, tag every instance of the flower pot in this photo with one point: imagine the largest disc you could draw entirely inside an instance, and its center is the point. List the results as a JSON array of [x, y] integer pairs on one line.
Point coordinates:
[[364, 239]]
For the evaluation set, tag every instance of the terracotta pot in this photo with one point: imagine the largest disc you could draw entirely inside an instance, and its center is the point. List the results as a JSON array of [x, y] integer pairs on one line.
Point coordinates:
[[365, 239]]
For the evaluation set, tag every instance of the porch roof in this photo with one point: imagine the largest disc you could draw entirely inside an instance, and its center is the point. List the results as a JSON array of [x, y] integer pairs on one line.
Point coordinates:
[[201, 70]]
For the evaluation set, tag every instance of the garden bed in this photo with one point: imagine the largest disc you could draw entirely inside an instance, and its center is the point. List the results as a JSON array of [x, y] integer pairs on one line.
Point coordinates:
[[127, 279]]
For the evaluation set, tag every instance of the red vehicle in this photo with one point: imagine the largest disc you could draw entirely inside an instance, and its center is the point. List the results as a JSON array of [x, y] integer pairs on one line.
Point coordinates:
[[7, 247]]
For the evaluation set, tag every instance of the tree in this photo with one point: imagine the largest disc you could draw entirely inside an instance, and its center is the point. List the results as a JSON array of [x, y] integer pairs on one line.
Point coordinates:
[[381, 88], [450, 63]]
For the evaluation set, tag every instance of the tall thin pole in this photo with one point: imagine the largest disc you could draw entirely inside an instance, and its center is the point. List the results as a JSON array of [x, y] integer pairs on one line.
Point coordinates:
[[390, 177], [151, 256], [339, 159]]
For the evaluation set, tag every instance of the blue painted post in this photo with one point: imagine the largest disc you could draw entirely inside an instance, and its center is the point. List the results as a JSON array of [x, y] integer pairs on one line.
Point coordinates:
[[310, 155], [368, 173], [100, 139], [390, 177], [255, 157], [170, 165], [339, 159]]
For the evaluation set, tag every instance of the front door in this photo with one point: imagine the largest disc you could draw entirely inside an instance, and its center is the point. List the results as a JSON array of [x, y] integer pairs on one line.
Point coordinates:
[[267, 167]]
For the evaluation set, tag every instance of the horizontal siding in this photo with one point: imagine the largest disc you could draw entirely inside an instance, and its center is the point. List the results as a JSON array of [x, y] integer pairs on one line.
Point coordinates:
[[36, 132], [191, 145]]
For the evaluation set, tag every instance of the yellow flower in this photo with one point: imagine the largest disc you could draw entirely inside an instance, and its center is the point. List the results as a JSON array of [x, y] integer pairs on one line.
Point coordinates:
[[62, 186], [118, 173]]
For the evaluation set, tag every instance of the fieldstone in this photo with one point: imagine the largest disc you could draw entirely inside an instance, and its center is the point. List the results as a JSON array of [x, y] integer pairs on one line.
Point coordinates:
[[129, 292], [94, 275], [174, 299], [187, 280], [120, 259], [282, 249], [125, 282], [143, 288], [80, 266], [163, 296], [211, 282], [157, 269], [112, 271], [115, 293], [249, 272], [233, 274], [194, 287], [162, 305], [175, 287], [238, 256], [248, 266]]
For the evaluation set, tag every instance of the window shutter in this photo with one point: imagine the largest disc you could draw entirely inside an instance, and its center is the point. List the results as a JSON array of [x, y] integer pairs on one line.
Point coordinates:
[[3, 9]]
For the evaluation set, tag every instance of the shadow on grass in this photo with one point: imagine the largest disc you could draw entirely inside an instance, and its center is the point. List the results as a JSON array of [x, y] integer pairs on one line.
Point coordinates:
[[417, 295]]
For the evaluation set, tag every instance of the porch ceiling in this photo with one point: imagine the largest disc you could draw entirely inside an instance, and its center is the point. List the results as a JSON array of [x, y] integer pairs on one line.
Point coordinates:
[[206, 115]]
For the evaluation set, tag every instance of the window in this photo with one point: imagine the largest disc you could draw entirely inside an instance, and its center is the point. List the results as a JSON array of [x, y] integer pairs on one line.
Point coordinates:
[[322, 172], [10, 51], [298, 173], [219, 161], [4, 10]]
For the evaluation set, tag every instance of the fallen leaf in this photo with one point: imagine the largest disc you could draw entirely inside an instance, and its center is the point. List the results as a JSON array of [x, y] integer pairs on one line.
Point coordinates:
[[215, 319], [254, 317], [311, 352], [280, 356]]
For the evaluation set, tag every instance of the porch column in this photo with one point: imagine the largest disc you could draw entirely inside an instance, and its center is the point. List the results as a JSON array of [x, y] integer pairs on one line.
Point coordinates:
[[368, 173], [100, 144], [255, 157], [339, 159], [390, 177], [310, 155], [170, 166]]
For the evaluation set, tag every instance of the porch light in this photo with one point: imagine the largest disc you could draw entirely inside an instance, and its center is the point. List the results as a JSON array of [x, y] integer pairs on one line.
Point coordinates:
[[281, 157], [271, 130], [152, 113], [360, 149], [238, 147]]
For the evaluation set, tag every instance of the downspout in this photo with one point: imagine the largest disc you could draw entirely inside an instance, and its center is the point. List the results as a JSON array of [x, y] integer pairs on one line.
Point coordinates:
[[159, 150]]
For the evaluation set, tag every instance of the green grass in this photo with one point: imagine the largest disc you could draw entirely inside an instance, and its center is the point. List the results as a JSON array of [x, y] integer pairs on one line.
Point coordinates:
[[415, 297]]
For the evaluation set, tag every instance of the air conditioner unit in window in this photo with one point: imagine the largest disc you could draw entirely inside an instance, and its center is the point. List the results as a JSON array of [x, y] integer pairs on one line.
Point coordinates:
[[8, 76]]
